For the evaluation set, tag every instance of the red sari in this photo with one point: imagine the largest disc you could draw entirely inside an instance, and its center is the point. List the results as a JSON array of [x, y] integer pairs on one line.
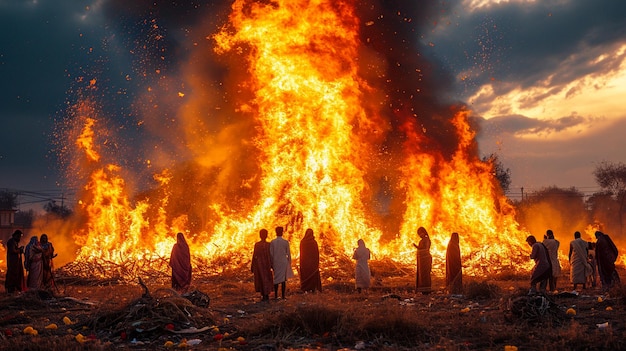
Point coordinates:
[[310, 279], [180, 261]]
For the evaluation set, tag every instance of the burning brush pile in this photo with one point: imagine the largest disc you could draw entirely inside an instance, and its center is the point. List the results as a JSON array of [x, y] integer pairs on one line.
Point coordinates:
[[313, 115]]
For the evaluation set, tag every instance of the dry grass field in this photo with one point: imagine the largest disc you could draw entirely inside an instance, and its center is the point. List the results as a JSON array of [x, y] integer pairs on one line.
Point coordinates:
[[493, 314]]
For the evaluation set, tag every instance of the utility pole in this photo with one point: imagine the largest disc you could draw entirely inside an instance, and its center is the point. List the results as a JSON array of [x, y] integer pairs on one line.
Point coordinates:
[[522, 193]]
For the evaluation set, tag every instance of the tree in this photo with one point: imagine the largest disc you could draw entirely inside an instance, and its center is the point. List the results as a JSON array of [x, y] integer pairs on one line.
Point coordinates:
[[612, 177], [8, 200], [503, 175], [60, 211]]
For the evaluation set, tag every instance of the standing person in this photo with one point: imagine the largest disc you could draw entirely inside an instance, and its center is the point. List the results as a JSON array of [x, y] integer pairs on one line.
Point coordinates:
[[454, 269], [579, 267], [362, 274], [180, 261], [606, 255], [47, 255], [543, 269], [14, 281], [262, 266], [553, 249], [310, 279], [34, 281], [591, 259], [424, 262], [280, 253], [33, 241]]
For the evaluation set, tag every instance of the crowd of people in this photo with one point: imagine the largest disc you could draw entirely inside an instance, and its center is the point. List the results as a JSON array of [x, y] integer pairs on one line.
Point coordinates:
[[36, 258], [271, 264], [587, 260]]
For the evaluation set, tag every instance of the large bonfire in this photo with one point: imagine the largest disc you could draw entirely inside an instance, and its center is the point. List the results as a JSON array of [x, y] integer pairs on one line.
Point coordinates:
[[310, 126]]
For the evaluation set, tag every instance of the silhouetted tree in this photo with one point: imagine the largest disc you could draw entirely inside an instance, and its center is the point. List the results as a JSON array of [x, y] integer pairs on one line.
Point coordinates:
[[8, 200], [60, 211], [604, 210], [612, 177], [24, 219], [503, 175]]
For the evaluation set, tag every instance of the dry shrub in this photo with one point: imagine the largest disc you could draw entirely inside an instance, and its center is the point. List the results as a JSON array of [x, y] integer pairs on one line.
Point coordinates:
[[481, 290]]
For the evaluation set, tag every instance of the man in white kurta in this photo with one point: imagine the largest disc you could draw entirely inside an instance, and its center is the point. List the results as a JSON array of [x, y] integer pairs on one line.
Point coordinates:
[[280, 253], [579, 268]]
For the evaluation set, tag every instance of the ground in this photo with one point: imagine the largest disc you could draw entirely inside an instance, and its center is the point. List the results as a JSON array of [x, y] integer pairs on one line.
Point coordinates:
[[494, 314]]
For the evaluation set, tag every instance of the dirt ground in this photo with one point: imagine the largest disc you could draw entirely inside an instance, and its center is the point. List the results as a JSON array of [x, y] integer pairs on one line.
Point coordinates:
[[493, 314]]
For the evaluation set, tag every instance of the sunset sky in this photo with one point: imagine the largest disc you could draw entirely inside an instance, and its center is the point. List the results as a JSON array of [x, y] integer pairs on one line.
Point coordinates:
[[545, 78]]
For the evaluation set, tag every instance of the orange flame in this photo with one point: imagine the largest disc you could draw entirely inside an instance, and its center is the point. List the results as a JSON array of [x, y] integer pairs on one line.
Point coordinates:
[[318, 132]]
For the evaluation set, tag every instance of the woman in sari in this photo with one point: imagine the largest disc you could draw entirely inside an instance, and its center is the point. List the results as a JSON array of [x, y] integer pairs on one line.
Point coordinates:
[[424, 262], [310, 279], [454, 270], [180, 261], [34, 281], [362, 274]]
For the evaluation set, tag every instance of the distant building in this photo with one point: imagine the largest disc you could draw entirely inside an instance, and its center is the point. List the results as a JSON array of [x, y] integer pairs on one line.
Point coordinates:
[[7, 224]]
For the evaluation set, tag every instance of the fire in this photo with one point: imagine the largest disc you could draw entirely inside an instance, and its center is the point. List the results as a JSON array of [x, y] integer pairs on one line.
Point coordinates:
[[319, 127]]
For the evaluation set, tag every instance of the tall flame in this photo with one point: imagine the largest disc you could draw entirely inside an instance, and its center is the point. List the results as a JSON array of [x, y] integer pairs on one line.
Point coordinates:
[[319, 131]]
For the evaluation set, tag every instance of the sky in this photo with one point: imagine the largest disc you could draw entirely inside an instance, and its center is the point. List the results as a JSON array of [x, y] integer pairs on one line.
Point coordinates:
[[544, 80]]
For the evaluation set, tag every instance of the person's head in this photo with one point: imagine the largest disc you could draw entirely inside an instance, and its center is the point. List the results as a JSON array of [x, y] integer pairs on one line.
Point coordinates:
[[44, 238], [576, 235], [599, 234], [263, 234], [279, 231], [180, 237], [549, 234], [421, 231], [308, 233], [17, 235], [531, 240], [33, 240], [454, 237], [361, 243]]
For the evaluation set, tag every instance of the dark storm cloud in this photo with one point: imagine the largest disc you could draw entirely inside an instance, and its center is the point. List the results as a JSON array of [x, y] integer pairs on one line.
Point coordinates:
[[530, 42]]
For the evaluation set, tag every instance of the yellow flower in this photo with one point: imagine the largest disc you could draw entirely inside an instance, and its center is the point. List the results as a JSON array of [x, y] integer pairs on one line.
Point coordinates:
[[28, 330], [80, 338], [169, 344], [571, 312], [600, 299], [510, 348], [465, 310], [609, 308], [51, 326], [67, 320]]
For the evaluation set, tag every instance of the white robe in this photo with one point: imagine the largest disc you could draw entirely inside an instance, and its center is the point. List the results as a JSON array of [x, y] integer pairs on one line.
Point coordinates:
[[281, 260], [579, 268]]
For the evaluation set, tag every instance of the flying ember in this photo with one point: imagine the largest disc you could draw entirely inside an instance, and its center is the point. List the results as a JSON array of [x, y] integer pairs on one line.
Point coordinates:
[[320, 118]]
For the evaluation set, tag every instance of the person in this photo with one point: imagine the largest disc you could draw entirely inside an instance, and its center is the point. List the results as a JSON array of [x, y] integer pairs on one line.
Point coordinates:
[[31, 243], [262, 266], [180, 261], [280, 254], [580, 269], [606, 255], [454, 270], [543, 269], [424, 262], [47, 255], [362, 274], [591, 259], [34, 279], [310, 279], [14, 281], [553, 249]]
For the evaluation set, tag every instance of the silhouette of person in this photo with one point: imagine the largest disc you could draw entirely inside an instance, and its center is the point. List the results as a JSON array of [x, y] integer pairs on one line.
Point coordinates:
[[424, 262], [262, 266], [310, 279]]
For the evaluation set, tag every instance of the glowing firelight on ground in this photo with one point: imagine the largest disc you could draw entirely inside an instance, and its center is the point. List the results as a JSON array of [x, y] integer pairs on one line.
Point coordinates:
[[318, 129]]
